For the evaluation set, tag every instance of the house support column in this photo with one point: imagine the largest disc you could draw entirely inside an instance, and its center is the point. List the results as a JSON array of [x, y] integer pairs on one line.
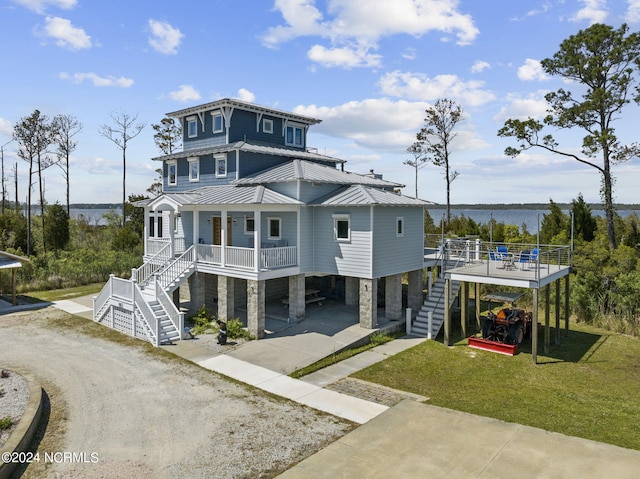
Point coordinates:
[[297, 303], [196, 291], [255, 308], [350, 291], [447, 312], [393, 297], [226, 297], [414, 291], [368, 303]]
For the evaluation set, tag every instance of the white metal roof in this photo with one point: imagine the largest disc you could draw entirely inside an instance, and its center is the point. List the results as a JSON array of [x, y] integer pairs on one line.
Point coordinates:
[[251, 147], [226, 195], [312, 172], [243, 105], [360, 195], [8, 260]]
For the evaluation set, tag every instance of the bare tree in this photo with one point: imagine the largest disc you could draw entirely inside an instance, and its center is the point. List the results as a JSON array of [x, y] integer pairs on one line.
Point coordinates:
[[34, 135], [435, 137], [420, 158], [123, 130], [66, 127]]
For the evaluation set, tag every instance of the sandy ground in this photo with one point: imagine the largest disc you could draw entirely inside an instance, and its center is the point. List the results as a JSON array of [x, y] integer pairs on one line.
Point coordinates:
[[129, 410]]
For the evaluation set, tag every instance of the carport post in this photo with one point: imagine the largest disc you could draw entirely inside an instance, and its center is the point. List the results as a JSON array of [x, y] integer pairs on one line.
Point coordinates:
[[566, 306], [547, 307], [464, 307], [558, 313], [447, 312], [534, 328], [478, 306]]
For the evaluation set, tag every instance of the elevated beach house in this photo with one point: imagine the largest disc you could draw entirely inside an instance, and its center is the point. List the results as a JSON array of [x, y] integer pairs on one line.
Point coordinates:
[[250, 215]]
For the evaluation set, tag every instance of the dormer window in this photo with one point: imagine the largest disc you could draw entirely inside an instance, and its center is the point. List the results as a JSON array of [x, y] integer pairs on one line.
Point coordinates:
[[267, 126], [192, 127], [294, 135], [217, 122]]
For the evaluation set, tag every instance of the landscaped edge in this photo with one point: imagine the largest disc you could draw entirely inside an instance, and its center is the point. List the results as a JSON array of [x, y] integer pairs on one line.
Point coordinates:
[[20, 438]]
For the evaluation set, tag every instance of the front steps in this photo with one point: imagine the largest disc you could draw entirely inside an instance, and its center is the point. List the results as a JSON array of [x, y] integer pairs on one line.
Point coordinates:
[[435, 304]]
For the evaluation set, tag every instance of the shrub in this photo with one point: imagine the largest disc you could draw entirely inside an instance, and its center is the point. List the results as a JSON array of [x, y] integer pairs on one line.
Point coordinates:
[[202, 321], [235, 330], [5, 423]]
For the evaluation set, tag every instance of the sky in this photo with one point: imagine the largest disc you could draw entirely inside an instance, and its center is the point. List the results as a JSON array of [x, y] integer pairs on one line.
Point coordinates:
[[367, 68]]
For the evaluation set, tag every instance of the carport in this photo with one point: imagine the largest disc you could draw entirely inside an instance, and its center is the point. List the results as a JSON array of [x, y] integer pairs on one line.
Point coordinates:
[[12, 262]]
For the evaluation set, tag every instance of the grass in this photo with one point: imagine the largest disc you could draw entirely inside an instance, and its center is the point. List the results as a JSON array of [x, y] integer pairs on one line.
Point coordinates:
[[67, 293], [586, 387], [374, 340]]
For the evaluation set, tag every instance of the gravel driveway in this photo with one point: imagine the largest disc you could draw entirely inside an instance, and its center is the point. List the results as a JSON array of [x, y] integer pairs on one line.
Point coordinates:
[[145, 413]]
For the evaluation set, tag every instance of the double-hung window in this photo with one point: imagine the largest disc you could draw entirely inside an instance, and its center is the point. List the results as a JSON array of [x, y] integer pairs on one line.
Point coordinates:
[[221, 166], [194, 169], [172, 173], [342, 228], [294, 135], [267, 126], [218, 122], [249, 224], [274, 228], [192, 127]]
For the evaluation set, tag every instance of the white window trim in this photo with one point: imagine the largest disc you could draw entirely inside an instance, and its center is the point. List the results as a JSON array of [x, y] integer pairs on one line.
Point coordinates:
[[191, 119], [267, 125], [294, 126], [400, 221], [213, 121], [169, 165], [226, 165], [342, 217], [269, 220], [191, 161], [247, 231]]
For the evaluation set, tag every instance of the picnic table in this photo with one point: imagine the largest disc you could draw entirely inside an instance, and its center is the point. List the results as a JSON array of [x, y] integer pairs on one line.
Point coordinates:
[[310, 296]]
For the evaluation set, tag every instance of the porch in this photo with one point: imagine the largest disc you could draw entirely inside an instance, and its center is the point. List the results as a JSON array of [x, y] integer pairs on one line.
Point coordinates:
[[267, 256]]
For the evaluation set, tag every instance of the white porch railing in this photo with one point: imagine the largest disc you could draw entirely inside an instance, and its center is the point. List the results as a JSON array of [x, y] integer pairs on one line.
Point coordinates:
[[176, 268], [175, 315], [152, 265], [278, 257], [238, 257], [146, 314], [155, 245]]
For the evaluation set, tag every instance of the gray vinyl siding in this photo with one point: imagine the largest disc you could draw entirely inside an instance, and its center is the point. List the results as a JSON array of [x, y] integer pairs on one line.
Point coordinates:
[[244, 128], [351, 258], [251, 163], [310, 191], [207, 174], [394, 254], [289, 189], [307, 240], [186, 221]]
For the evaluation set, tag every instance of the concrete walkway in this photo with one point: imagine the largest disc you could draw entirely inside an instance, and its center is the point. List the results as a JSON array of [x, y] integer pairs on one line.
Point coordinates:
[[411, 439]]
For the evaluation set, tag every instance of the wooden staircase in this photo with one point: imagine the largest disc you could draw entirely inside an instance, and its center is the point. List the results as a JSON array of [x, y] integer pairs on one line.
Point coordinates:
[[434, 303]]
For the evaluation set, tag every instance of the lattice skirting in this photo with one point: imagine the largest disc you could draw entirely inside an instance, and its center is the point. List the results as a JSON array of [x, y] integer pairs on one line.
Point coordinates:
[[122, 319]]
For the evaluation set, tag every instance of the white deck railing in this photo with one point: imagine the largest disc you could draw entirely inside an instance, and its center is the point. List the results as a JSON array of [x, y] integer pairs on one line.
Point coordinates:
[[278, 257], [177, 267], [152, 265], [155, 245], [174, 314], [238, 257]]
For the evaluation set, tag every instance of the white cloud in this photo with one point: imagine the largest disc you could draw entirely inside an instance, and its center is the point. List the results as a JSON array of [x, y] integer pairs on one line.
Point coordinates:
[[39, 6], [6, 128], [532, 106], [65, 34], [378, 124], [185, 93], [353, 27], [344, 57], [479, 66], [246, 95], [633, 12], [532, 70], [97, 80], [419, 86], [594, 11], [164, 38]]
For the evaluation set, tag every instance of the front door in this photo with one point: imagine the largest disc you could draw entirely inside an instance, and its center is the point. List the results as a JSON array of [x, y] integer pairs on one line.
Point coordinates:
[[217, 230]]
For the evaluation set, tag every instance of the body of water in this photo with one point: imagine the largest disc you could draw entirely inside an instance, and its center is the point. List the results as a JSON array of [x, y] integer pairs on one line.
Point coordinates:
[[530, 218], [92, 216]]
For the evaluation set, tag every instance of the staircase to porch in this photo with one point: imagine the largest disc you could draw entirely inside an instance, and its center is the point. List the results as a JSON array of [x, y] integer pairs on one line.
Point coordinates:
[[434, 303], [142, 306]]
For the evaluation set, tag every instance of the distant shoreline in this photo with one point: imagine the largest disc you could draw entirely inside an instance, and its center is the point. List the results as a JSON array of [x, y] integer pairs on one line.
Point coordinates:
[[527, 206]]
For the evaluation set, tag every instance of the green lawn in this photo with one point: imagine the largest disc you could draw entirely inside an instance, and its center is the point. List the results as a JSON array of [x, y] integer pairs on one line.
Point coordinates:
[[589, 386], [68, 293]]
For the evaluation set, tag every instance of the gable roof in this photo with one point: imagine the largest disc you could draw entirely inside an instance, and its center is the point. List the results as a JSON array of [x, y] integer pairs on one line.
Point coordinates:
[[243, 105], [223, 195], [360, 195], [252, 147], [312, 172]]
